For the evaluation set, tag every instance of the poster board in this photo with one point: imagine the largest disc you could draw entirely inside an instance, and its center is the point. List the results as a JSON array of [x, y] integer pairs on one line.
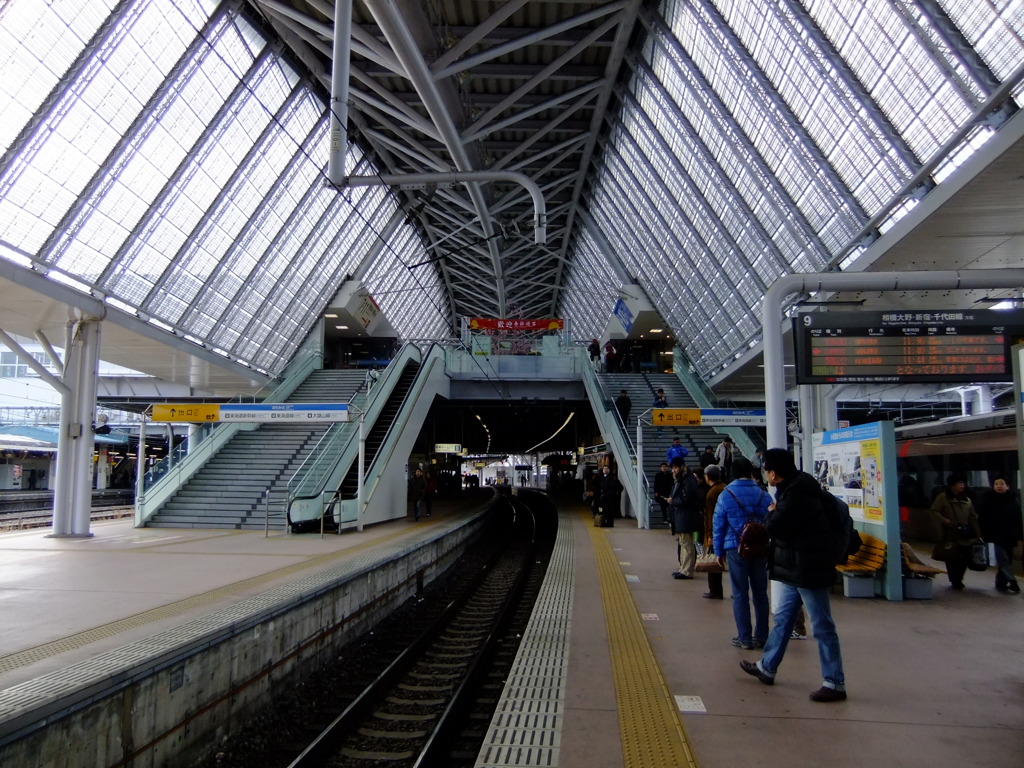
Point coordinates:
[[858, 465]]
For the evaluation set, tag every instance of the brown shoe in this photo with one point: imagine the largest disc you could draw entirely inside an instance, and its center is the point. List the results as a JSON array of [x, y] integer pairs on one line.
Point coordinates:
[[828, 694]]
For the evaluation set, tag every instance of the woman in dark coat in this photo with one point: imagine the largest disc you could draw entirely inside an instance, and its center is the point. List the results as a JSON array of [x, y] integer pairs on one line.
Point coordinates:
[[959, 523], [1000, 519]]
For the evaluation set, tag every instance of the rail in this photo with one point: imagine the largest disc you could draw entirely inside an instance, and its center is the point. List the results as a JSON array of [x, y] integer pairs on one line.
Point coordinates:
[[338, 452]]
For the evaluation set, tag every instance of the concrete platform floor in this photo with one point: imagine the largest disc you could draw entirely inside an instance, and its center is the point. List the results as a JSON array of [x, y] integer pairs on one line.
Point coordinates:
[[66, 599], [931, 683]]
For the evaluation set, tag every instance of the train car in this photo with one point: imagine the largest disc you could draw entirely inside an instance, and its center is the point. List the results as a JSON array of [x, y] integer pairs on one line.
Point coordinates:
[[976, 447]]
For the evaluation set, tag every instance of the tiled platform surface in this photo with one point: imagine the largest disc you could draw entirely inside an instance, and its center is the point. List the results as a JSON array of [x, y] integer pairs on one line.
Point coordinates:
[[932, 683]]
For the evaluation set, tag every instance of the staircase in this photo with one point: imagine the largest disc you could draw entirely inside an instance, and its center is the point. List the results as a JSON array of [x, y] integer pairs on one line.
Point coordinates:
[[229, 491], [641, 389]]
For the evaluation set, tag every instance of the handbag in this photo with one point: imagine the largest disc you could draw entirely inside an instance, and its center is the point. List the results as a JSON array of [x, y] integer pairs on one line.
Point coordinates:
[[944, 551], [708, 563], [978, 561]]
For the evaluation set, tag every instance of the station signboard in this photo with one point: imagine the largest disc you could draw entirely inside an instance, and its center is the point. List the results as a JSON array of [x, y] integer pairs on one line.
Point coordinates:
[[254, 412], [913, 346]]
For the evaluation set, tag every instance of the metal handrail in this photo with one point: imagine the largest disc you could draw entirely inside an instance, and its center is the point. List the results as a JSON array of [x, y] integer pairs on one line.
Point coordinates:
[[266, 515], [334, 452]]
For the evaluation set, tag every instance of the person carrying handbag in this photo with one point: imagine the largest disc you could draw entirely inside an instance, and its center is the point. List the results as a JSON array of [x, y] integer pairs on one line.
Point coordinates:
[[958, 522]]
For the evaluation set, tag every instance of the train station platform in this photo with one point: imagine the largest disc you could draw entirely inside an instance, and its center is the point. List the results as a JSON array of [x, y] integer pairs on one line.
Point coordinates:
[[646, 675]]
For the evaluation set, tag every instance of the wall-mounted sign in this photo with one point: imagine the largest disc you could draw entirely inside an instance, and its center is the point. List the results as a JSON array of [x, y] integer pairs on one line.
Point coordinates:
[[255, 412], [515, 324], [624, 314], [185, 412], [905, 347], [708, 417]]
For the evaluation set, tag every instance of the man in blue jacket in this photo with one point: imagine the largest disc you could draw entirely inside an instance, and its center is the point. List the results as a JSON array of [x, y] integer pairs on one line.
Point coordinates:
[[741, 501], [801, 558], [676, 450]]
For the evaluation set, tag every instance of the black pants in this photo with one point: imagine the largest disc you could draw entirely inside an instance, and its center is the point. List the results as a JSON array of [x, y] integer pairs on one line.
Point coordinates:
[[957, 567]]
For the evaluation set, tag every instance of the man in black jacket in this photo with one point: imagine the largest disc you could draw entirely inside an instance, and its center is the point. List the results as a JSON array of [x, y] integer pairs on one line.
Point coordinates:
[[801, 558], [687, 518]]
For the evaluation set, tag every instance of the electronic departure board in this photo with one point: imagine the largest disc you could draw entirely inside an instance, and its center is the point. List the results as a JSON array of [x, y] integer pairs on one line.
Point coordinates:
[[916, 346]]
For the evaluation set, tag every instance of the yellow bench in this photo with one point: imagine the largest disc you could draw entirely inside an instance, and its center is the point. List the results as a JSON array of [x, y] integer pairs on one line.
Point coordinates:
[[912, 565], [917, 577], [865, 562]]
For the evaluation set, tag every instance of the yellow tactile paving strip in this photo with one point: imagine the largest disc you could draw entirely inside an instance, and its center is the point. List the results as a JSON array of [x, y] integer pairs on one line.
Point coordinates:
[[37, 653], [649, 723]]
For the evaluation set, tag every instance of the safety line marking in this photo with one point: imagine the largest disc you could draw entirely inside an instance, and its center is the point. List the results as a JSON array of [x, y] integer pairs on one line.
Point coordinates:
[[650, 726]]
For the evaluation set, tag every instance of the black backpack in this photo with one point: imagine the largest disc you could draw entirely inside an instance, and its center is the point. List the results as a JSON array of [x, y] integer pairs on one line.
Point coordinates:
[[845, 539]]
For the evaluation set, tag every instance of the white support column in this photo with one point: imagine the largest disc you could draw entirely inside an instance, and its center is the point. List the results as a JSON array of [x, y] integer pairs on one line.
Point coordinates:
[[807, 418], [140, 470], [87, 346]]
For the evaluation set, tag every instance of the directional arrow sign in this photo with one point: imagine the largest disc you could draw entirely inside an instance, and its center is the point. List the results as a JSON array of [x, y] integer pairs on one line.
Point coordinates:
[[182, 412], [676, 417]]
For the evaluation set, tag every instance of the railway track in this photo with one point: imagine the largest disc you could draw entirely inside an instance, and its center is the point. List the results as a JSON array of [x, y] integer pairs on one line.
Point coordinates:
[[432, 704], [43, 518]]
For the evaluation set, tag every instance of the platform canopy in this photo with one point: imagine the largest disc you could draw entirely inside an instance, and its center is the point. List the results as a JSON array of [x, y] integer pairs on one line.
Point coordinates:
[[164, 165]]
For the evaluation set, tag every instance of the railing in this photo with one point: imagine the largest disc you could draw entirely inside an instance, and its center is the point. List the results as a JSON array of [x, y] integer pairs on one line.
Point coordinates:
[[164, 478], [313, 487], [267, 514], [745, 438], [615, 435], [435, 355]]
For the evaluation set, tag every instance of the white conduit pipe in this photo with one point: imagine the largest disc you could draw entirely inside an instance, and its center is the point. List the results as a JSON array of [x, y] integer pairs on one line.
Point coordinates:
[[540, 214], [771, 313], [342, 52]]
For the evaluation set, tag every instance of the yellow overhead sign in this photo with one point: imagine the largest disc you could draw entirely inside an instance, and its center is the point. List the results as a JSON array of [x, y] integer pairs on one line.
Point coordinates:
[[185, 412], [676, 417]]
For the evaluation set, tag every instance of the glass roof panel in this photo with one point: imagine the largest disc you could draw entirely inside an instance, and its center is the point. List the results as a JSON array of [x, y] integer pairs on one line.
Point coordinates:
[[38, 44]]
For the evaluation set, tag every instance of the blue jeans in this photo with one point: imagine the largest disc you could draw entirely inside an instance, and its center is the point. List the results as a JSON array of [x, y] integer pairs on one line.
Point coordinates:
[[749, 575], [824, 629]]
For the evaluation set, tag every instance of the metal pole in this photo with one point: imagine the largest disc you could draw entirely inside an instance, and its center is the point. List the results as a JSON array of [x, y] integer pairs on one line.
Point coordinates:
[[359, 474], [140, 468], [641, 511], [341, 52]]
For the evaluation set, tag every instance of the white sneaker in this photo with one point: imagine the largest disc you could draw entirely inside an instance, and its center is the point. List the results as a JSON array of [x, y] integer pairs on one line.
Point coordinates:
[[797, 636]]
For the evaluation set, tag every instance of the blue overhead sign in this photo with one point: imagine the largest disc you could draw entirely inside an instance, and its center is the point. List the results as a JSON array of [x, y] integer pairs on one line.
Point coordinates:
[[622, 312]]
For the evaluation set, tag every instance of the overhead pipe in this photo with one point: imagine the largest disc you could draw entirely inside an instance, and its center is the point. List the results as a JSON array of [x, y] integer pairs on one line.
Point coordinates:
[[342, 53], [540, 236], [771, 314]]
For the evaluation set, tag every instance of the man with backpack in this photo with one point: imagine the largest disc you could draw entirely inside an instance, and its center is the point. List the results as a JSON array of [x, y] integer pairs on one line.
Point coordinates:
[[742, 539], [802, 557]]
